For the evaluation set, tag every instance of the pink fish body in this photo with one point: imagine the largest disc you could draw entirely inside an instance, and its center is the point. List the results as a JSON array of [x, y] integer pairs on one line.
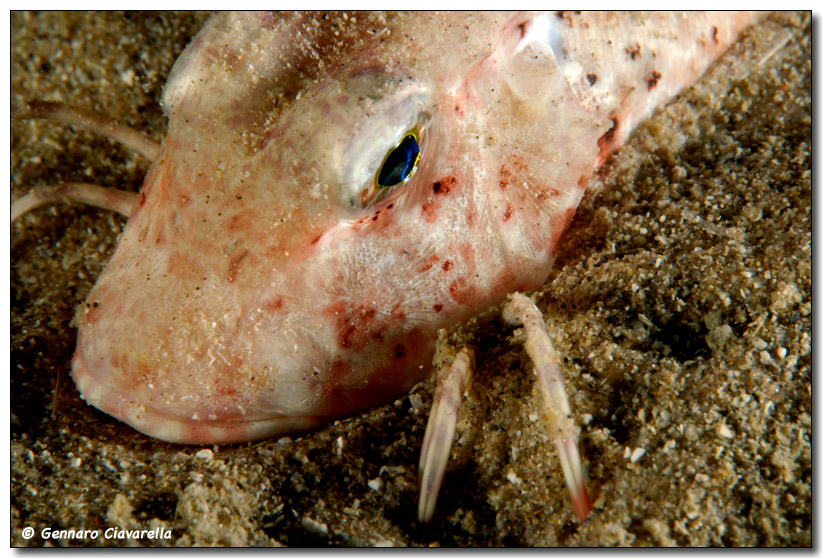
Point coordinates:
[[266, 284]]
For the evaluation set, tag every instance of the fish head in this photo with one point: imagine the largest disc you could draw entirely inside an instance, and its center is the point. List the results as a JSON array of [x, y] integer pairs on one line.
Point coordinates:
[[330, 194]]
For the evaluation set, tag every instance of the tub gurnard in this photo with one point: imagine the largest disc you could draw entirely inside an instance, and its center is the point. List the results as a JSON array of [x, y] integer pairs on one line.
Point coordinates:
[[329, 196]]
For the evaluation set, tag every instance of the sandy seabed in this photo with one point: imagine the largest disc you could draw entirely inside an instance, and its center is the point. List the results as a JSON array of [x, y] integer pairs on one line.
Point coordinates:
[[681, 304]]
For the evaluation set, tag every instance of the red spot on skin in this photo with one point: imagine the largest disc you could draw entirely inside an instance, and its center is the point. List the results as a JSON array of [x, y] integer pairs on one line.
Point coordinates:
[[504, 177], [519, 163], [608, 137], [438, 307], [381, 220], [429, 263], [633, 51], [447, 264], [445, 185], [356, 326], [508, 212], [460, 291], [145, 233], [226, 390], [142, 200], [316, 239], [161, 237], [439, 188], [714, 33], [652, 79], [184, 199], [398, 314], [610, 140], [583, 181], [234, 265], [241, 221], [273, 305], [547, 193]]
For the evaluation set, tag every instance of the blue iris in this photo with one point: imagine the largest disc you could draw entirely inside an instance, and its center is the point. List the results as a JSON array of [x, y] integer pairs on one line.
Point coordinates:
[[400, 163]]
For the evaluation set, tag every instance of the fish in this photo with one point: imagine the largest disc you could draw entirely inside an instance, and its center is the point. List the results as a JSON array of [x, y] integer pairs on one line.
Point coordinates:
[[362, 318]]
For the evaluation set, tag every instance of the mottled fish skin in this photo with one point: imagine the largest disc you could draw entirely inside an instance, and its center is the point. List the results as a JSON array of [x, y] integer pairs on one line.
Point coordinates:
[[253, 293]]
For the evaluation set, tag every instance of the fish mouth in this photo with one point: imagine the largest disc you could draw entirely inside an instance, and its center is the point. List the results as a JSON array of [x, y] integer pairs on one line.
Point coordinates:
[[120, 404]]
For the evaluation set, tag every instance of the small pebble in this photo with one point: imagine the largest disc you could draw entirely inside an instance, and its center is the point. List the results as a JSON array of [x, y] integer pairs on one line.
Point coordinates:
[[314, 526], [206, 454]]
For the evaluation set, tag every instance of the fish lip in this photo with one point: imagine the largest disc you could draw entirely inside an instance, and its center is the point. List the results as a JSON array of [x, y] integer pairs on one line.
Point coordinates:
[[169, 428]]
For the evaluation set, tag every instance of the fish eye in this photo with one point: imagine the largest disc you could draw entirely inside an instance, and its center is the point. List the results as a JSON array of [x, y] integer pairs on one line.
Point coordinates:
[[378, 170], [381, 130], [401, 162]]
